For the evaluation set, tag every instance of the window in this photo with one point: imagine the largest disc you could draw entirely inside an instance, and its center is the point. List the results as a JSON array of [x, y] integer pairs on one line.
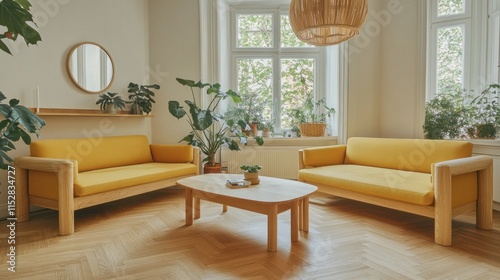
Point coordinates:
[[273, 71], [450, 47]]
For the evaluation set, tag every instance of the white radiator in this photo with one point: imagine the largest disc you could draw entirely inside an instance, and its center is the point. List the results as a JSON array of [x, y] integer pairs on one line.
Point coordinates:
[[280, 162]]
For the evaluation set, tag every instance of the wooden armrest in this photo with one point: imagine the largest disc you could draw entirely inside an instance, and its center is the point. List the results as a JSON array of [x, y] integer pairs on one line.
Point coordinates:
[[42, 164], [443, 172], [464, 165]]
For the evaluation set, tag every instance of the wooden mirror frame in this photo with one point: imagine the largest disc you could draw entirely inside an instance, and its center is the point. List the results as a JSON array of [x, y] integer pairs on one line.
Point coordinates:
[[75, 79]]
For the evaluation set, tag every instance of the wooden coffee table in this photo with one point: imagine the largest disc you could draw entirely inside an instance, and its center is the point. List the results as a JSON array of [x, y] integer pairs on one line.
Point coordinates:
[[271, 197]]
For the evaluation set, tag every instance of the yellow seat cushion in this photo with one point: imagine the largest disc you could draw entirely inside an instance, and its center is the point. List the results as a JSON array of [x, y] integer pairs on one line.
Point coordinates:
[[407, 186], [102, 180], [412, 187], [96, 181]]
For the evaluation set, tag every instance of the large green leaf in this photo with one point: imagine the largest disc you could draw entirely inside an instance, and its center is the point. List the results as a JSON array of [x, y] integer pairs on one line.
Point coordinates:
[[175, 109], [15, 16]]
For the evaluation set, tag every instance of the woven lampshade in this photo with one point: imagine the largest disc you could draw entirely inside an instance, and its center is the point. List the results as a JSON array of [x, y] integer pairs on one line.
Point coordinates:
[[327, 22]]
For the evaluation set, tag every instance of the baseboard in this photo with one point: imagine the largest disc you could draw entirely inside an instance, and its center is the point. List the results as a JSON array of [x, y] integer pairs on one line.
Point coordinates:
[[496, 206]]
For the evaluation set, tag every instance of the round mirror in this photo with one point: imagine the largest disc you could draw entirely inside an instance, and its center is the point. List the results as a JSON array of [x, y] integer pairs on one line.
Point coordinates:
[[90, 67]]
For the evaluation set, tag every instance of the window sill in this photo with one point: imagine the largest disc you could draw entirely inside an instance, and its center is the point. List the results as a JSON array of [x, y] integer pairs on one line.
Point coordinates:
[[296, 141]]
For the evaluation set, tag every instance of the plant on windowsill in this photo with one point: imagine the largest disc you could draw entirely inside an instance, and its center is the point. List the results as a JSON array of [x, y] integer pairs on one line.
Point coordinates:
[[267, 127], [142, 98], [208, 130], [251, 173], [311, 117], [110, 101], [485, 114], [446, 116]]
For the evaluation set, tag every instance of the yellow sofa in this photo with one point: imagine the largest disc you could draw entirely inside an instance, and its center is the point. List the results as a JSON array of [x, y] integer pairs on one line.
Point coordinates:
[[71, 174], [433, 178]]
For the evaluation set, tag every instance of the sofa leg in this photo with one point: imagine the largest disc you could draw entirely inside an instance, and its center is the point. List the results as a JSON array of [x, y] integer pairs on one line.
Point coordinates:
[[22, 195], [443, 211], [66, 222], [66, 202], [484, 207], [443, 231]]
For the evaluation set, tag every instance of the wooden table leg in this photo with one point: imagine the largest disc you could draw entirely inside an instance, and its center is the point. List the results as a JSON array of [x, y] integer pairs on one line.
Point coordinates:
[[196, 208], [272, 228], [301, 214], [224, 208], [189, 206], [305, 214], [294, 220]]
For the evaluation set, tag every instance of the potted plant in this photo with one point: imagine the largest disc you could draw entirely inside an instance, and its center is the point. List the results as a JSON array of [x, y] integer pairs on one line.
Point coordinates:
[[142, 97], [267, 127], [18, 122], [485, 113], [208, 130], [251, 173], [446, 116], [311, 117], [110, 101]]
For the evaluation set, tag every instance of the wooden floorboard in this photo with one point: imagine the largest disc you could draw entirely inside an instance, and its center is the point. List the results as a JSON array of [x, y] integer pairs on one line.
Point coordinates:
[[144, 237]]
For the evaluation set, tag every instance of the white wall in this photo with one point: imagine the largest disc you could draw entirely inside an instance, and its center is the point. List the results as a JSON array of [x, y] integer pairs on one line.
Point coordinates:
[[385, 96], [174, 32], [120, 26]]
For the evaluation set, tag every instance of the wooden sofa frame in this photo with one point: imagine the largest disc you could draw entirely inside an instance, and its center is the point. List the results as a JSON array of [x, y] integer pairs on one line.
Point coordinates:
[[442, 211], [67, 203]]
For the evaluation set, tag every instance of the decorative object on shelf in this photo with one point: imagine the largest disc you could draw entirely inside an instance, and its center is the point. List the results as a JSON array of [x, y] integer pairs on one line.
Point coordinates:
[[90, 67], [327, 22], [251, 173], [311, 117], [110, 101], [16, 20], [17, 123], [208, 130], [142, 98]]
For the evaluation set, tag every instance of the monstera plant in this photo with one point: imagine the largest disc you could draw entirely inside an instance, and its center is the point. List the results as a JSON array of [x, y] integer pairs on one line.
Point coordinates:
[[15, 16], [18, 120], [208, 130]]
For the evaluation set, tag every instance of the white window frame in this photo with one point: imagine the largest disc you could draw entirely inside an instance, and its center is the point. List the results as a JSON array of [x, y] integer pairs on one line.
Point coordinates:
[[276, 53], [475, 56], [216, 63]]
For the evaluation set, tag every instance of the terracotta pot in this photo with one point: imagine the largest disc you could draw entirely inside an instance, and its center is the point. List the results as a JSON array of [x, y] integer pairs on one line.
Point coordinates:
[[253, 126], [212, 169], [252, 177]]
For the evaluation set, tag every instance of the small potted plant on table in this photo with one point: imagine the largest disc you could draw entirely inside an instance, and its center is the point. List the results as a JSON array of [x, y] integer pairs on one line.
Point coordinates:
[[109, 102], [251, 173]]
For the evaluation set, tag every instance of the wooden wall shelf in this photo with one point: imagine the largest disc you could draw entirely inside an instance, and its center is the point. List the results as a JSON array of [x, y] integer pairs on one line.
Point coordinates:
[[84, 113]]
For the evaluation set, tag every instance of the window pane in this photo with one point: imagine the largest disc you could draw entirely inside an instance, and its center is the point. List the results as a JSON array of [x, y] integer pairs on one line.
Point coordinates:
[[255, 87], [255, 31], [297, 81], [451, 7], [450, 61], [288, 38]]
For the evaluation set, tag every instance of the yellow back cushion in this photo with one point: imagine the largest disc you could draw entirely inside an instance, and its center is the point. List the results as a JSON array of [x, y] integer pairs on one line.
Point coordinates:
[[404, 154], [96, 153]]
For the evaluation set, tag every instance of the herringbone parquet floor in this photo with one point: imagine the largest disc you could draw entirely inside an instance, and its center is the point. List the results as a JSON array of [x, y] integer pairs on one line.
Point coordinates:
[[144, 237]]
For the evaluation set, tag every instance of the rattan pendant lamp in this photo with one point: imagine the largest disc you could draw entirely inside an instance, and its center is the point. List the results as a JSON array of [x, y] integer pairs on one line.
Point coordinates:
[[327, 22]]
